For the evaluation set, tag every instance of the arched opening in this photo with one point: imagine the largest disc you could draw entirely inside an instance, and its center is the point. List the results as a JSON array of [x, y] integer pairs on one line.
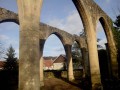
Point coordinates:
[[54, 58], [77, 60], [103, 50], [62, 15], [9, 36]]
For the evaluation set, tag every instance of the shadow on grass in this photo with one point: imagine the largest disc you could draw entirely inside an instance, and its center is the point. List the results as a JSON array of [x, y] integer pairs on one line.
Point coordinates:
[[80, 83]]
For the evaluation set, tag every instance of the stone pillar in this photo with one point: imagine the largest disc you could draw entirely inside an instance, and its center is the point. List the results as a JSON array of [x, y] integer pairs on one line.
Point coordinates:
[[90, 31], [113, 53], [86, 66], [41, 73], [29, 13], [42, 41], [69, 62], [29, 61], [108, 60], [93, 59]]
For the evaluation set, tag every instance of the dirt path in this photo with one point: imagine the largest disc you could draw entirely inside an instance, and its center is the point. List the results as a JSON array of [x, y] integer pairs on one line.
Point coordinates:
[[58, 84]]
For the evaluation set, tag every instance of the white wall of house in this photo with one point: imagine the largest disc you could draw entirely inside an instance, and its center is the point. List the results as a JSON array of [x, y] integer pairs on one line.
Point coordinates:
[[58, 66], [48, 68]]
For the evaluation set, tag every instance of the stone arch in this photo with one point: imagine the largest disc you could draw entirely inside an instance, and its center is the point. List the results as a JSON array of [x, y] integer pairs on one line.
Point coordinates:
[[107, 25], [9, 20], [77, 42], [8, 16], [107, 29], [85, 9], [61, 38], [85, 63], [42, 44], [82, 12]]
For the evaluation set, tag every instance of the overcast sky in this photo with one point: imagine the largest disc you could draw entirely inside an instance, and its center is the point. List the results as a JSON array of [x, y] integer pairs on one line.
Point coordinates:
[[58, 13]]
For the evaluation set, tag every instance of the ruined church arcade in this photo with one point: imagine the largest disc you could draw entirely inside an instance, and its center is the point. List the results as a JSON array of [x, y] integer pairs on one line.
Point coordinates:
[[33, 35]]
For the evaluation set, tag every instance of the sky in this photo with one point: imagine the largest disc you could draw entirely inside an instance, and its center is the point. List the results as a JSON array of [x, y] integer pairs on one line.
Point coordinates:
[[58, 13]]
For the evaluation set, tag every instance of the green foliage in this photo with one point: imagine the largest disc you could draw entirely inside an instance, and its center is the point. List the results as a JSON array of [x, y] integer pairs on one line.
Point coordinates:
[[76, 53], [116, 31], [117, 37], [117, 22], [11, 60]]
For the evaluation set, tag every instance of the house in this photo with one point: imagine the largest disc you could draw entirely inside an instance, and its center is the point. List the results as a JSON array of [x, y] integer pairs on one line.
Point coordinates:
[[48, 65], [60, 63], [55, 63]]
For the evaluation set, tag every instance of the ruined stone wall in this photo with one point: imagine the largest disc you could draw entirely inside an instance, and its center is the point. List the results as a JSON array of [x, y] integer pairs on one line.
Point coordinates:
[[45, 30], [8, 16]]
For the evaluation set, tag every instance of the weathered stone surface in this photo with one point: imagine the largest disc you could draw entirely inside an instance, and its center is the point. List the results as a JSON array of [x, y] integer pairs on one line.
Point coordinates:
[[33, 35], [8, 16], [45, 30]]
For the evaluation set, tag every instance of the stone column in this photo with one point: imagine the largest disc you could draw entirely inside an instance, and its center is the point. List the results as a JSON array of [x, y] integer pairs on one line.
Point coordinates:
[[113, 52], [69, 62], [108, 60], [86, 66], [29, 13], [42, 41], [93, 59], [41, 73], [90, 31]]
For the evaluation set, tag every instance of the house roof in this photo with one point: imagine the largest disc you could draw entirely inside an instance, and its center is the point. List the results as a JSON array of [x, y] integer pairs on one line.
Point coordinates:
[[60, 59], [49, 58], [48, 63]]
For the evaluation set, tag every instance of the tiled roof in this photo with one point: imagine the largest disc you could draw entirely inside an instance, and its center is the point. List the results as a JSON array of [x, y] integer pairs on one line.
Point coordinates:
[[48, 63], [49, 58], [60, 59]]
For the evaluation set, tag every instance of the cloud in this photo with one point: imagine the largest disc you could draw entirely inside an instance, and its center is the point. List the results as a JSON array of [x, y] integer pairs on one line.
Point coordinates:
[[72, 23], [3, 37], [53, 50], [102, 42], [99, 27], [101, 35]]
